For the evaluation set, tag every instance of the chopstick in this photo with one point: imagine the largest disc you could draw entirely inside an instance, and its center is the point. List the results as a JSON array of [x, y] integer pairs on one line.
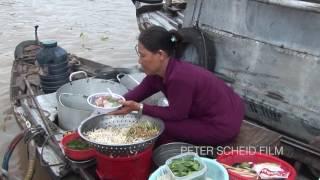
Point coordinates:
[[240, 171]]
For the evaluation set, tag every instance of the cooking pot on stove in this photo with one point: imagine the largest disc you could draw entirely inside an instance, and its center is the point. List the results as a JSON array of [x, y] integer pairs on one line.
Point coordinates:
[[72, 98]]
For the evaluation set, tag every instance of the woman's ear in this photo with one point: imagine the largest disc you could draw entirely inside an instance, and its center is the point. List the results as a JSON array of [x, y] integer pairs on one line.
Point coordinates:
[[163, 54]]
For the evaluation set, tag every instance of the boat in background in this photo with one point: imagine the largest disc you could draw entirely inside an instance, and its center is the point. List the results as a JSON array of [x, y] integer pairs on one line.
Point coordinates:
[[267, 52]]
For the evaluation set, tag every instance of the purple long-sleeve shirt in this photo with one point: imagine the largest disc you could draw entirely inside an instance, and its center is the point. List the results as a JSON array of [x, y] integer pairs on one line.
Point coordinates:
[[192, 93]]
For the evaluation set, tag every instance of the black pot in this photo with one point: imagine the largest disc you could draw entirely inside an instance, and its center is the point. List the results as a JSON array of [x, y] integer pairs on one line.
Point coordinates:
[[106, 73], [50, 89]]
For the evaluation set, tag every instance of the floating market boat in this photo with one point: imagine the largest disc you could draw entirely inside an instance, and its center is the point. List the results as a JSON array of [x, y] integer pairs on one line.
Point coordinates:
[[280, 103]]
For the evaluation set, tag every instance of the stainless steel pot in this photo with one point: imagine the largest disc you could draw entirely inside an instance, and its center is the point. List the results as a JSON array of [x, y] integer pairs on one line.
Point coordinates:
[[130, 81], [72, 101]]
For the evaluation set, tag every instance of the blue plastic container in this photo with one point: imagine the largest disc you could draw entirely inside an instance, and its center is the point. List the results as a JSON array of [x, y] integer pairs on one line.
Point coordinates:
[[51, 53], [215, 170], [54, 66]]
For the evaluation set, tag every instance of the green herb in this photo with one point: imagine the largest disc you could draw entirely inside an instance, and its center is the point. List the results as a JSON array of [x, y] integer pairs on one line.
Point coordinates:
[[78, 144], [142, 129], [184, 167]]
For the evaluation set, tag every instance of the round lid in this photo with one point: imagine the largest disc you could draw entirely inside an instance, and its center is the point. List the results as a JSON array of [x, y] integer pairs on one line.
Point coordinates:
[[49, 43]]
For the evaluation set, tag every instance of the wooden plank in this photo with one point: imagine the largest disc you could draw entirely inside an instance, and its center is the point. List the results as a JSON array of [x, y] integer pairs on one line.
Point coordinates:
[[255, 135]]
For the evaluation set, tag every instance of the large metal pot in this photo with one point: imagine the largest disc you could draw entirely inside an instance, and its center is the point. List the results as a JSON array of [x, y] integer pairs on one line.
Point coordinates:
[[130, 80], [72, 99]]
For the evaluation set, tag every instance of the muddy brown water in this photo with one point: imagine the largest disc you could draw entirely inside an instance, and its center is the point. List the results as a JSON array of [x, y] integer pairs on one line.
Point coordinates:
[[104, 31]]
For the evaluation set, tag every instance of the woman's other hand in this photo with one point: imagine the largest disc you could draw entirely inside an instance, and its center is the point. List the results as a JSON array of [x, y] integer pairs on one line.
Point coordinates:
[[128, 106]]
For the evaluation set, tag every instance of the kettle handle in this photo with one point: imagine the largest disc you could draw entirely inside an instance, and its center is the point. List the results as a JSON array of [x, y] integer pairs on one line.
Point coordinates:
[[133, 79], [120, 75], [77, 72]]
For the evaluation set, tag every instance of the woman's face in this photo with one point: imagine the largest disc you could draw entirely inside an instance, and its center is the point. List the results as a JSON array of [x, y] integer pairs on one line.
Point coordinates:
[[150, 62]]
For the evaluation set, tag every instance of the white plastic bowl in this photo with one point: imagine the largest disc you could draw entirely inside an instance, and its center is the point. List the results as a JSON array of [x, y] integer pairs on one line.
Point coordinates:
[[103, 110]]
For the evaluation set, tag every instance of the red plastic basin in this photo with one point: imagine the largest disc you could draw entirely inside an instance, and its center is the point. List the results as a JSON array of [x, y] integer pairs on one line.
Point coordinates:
[[78, 155], [133, 167], [235, 156]]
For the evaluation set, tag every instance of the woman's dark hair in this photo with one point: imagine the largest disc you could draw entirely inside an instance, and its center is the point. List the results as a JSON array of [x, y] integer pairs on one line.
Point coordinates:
[[156, 38]]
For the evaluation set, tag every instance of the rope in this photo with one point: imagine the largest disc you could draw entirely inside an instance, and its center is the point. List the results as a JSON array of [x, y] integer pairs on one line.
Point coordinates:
[[6, 158], [32, 161]]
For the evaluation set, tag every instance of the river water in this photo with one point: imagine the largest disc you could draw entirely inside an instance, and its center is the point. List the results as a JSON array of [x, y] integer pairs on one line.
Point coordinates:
[[104, 31]]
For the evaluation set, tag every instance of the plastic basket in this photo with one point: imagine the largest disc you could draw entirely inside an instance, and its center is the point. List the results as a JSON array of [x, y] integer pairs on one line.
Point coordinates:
[[215, 170], [232, 157], [198, 175]]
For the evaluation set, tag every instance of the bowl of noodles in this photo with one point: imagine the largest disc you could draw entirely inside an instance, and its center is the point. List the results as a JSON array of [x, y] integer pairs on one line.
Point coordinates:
[[105, 102], [121, 135]]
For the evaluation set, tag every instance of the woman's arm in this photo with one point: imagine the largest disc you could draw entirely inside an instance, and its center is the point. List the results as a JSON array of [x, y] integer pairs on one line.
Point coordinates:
[[148, 86], [180, 95]]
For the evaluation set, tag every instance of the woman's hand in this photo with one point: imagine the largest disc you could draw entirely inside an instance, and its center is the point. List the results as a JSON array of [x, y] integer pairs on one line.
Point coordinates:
[[128, 106]]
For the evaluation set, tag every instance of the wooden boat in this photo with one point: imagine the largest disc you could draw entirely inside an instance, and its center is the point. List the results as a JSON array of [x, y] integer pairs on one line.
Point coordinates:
[[44, 131]]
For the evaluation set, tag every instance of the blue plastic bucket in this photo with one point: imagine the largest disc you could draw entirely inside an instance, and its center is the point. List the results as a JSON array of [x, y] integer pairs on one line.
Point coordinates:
[[215, 170]]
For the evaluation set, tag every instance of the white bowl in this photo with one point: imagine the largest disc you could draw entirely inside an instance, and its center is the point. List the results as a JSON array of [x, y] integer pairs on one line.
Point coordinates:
[[103, 110]]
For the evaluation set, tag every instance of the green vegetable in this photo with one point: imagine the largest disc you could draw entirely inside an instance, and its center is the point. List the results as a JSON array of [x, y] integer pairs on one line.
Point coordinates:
[[142, 129], [78, 144], [114, 102], [184, 167]]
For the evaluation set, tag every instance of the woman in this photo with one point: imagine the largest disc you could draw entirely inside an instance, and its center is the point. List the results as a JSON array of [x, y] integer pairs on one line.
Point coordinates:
[[202, 108]]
